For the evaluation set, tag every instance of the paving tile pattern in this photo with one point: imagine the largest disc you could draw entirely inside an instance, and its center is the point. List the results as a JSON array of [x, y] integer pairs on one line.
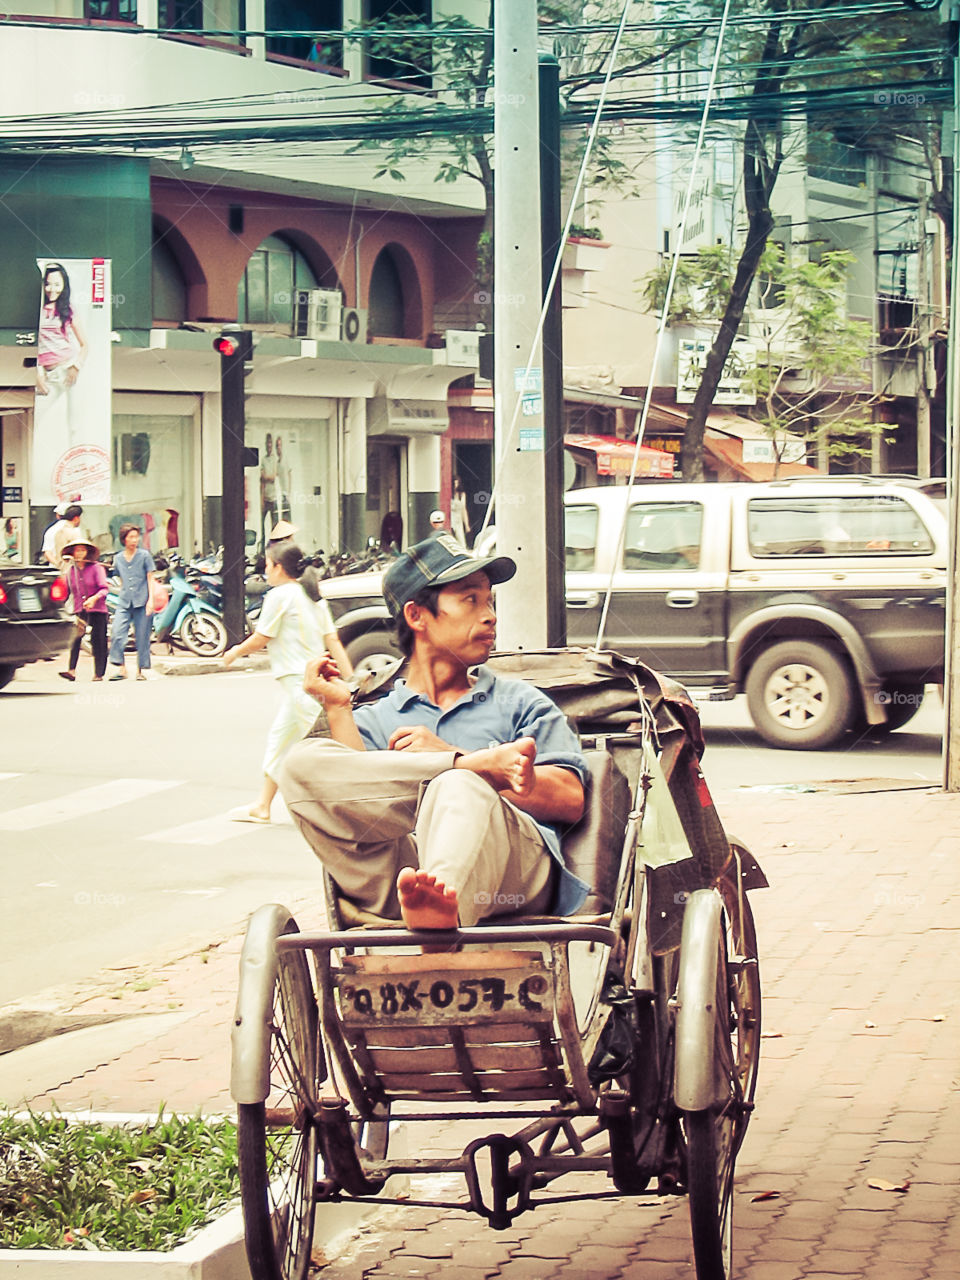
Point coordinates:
[[859, 1078]]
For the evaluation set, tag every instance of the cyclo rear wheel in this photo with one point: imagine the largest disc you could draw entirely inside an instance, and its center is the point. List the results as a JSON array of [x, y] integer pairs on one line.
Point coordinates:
[[277, 1139], [716, 1071]]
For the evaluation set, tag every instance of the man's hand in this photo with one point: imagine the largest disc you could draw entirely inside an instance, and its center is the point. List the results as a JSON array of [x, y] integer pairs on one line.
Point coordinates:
[[322, 680], [416, 737]]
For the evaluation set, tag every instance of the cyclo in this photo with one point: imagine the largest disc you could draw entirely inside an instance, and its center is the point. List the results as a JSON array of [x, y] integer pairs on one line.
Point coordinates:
[[624, 1040]]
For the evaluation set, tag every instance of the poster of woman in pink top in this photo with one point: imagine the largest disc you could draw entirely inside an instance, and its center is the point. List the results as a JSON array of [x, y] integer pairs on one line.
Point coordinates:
[[71, 423], [61, 346]]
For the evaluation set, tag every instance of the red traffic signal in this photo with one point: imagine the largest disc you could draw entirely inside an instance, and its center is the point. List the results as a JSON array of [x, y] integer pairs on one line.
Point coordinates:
[[226, 345]]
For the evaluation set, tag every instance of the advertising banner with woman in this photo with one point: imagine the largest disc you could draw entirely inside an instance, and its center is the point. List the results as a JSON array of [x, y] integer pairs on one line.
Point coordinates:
[[72, 409]]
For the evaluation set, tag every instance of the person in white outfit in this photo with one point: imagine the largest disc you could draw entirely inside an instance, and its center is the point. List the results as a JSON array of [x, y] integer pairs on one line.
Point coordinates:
[[294, 630]]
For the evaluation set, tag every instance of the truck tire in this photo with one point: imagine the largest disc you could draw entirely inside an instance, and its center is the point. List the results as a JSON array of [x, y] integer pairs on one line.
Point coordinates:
[[7, 672], [372, 651], [800, 695]]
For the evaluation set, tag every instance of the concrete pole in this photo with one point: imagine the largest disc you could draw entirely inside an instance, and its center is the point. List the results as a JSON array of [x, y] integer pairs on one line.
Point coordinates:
[[951, 726], [518, 367], [924, 325]]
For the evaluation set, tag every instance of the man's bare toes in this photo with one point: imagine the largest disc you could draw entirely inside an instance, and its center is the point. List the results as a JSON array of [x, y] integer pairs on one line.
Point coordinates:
[[425, 901]]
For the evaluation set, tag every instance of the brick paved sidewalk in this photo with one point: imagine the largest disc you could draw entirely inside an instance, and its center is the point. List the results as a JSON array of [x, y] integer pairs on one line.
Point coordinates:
[[858, 1080]]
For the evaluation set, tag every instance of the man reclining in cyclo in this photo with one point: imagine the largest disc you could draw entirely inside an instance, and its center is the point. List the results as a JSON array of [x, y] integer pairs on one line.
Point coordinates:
[[442, 803]]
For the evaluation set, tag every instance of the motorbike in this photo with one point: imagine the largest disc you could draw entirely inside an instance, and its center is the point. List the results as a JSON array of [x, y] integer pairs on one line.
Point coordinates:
[[185, 619], [189, 621]]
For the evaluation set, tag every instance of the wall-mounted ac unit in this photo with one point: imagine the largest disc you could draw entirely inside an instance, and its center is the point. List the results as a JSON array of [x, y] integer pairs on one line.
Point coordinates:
[[317, 314], [353, 325]]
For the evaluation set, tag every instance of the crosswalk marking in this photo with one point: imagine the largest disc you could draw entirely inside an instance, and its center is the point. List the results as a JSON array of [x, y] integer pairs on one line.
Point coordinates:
[[77, 804], [214, 830]]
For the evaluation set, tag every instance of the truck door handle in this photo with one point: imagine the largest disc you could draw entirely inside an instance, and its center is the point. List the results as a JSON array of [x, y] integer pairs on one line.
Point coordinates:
[[683, 599], [583, 599]]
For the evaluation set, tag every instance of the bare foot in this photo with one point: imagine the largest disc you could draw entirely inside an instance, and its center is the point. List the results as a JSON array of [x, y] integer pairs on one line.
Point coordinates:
[[425, 901], [259, 814], [508, 767]]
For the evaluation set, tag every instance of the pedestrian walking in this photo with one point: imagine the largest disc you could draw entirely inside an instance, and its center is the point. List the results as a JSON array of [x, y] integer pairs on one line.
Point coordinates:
[[87, 580], [294, 630], [135, 568], [459, 516]]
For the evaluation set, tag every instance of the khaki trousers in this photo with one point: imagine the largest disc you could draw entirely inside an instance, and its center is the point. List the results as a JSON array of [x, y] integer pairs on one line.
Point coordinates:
[[366, 814]]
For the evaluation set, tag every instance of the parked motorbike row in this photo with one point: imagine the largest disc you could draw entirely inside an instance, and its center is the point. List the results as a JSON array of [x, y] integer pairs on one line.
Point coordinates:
[[190, 596]]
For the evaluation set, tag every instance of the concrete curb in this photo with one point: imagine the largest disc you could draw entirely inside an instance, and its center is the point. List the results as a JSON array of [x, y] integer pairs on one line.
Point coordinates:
[[216, 1252]]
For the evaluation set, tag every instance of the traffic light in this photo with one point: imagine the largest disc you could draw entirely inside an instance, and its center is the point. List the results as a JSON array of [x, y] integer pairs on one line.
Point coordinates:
[[234, 346]]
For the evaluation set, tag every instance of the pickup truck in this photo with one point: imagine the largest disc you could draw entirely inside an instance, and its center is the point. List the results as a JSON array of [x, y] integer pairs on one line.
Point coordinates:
[[821, 599]]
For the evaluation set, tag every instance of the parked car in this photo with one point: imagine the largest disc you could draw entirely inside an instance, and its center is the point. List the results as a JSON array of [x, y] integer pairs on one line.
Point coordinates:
[[823, 600], [33, 623]]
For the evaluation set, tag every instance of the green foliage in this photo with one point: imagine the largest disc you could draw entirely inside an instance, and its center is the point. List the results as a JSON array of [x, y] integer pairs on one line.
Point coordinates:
[[807, 333], [79, 1186]]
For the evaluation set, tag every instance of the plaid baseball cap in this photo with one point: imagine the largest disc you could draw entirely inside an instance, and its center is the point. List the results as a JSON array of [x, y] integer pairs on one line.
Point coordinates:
[[437, 562]]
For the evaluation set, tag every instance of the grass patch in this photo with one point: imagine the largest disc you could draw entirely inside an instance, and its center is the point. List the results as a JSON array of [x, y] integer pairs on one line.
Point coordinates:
[[68, 1185]]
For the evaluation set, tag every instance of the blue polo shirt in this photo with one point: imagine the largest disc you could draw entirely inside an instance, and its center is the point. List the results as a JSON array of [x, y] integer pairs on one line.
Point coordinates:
[[495, 710]]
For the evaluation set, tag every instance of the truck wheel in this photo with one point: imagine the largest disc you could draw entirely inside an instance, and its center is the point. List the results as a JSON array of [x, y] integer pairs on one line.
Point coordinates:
[[800, 695], [7, 672], [372, 651]]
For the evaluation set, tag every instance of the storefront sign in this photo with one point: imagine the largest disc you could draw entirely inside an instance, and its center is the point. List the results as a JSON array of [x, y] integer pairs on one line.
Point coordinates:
[[72, 409], [734, 387], [12, 493]]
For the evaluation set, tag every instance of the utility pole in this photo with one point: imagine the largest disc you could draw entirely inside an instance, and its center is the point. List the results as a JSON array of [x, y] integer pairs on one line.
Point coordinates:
[[518, 363], [951, 724], [551, 229], [235, 348], [924, 326]]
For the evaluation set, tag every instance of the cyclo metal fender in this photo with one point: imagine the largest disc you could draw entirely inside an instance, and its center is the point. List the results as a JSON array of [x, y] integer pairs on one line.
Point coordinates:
[[694, 1087], [250, 1033]]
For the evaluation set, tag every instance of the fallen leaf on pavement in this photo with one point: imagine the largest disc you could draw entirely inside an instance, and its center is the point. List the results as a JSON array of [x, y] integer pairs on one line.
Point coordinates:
[[765, 1195], [771, 1035], [881, 1184], [871, 1026]]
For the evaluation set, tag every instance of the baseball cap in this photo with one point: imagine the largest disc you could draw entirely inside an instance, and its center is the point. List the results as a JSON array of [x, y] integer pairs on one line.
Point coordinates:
[[61, 509], [437, 562], [437, 517]]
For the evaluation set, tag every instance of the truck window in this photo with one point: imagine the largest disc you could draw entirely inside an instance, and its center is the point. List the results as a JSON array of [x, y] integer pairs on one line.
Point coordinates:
[[580, 537], [663, 535], [881, 524]]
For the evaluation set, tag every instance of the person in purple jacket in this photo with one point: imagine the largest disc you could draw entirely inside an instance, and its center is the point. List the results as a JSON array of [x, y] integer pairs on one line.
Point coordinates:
[[87, 580]]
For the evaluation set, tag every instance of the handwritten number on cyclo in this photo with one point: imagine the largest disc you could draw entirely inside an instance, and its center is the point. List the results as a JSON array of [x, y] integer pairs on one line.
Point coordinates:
[[405, 997]]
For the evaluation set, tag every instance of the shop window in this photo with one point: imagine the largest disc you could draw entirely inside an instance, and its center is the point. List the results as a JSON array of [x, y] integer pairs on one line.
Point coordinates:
[[395, 57], [386, 298], [319, 16], [276, 273], [224, 19], [169, 285], [110, 10]]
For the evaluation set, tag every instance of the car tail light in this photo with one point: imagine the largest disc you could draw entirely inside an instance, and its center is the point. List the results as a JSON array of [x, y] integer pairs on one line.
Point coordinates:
[[3, 596], [59, 591]]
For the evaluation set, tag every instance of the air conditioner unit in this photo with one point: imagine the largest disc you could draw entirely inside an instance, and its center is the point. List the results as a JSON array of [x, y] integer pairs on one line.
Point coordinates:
[[317, 314], [353, 325]]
